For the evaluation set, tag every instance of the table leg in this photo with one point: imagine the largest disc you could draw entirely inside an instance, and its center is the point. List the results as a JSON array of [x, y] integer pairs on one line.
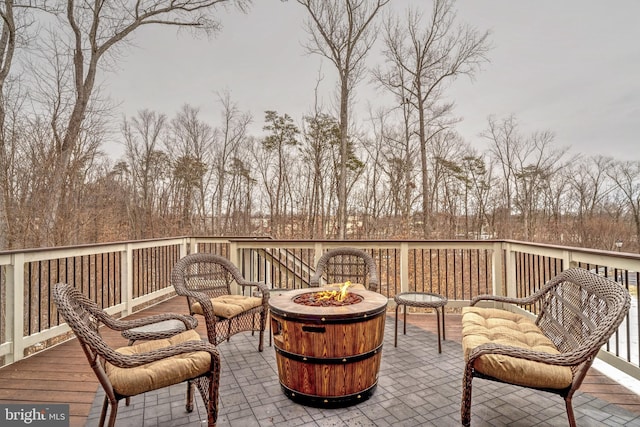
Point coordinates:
[[404, 328], [438, 322], [395, 339], [443, 328]]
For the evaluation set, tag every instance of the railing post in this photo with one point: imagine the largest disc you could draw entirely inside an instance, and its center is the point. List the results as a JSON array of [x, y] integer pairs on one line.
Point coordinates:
[[404, 267], [126, 279], [15, 307], [498, 269], [234, 257], [317, 253], [567, 260], [510, 269], [190, 243]]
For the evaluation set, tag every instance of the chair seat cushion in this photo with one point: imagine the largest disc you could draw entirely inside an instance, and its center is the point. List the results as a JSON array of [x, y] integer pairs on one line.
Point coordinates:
[[229, 306], [489, 325], [162, 373]]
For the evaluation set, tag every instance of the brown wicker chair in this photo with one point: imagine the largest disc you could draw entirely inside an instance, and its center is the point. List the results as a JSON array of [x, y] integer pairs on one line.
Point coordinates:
[[136, 369], [342, 264], [578, 311], [205, 279]]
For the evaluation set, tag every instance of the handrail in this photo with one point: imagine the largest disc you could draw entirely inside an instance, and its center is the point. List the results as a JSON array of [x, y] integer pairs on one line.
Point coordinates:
[[125, 276]]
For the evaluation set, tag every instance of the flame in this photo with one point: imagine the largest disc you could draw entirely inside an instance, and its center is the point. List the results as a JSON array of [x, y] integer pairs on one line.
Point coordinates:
[[337, 295], [343, 290]]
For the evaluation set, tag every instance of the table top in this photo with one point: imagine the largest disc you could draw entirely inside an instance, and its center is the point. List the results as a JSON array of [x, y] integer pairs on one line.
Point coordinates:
[[424, 299]]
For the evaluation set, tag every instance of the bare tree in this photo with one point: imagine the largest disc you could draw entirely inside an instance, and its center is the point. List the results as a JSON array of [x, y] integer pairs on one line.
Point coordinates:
[[477, 181], [16, 18], [589, 187], [626, 176], [321, 134], [101, 27], [189, 146], [241, 186], [527, 165], [343, 31], [147, 164], [504, 144], [226, 160], [374, 194], [283, 134], [446, 193], [422, 57], [395, 159]]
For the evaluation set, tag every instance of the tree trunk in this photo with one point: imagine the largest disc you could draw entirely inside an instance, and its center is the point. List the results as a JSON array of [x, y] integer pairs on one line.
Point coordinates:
[[344, 140]]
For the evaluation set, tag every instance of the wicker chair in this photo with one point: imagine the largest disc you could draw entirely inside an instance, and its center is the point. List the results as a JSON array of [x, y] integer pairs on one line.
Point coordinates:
[[133, 370], [342, 264], [578, 311], [205, 279]]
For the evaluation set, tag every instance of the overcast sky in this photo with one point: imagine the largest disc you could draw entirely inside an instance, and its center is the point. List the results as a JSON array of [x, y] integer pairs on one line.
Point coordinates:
[[568, 66]]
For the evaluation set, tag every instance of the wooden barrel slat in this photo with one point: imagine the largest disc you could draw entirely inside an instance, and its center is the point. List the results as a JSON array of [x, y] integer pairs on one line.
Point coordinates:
[[348, 338]]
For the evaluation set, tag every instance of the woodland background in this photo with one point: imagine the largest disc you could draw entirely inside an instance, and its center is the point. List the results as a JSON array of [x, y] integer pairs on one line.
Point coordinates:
[[401, 173]]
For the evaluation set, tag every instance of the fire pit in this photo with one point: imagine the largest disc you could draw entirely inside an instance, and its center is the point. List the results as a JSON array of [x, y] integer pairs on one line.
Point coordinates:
[[328, 353]]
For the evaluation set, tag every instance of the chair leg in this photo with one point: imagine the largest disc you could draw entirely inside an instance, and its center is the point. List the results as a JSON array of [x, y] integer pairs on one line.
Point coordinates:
[[253, 324], [103, 414], [212, 401], [189, 405], [263, 323], [570, 415], [113, 414], [465, 409]]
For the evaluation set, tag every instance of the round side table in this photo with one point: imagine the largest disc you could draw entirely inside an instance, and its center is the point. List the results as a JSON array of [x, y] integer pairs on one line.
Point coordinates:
[[421, 300]]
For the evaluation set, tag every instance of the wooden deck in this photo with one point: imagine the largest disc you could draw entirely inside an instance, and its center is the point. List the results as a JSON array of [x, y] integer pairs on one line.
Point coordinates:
[[62, 374]]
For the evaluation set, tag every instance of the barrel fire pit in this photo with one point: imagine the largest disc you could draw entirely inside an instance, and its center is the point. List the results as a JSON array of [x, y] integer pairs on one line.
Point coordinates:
[[328, 352]]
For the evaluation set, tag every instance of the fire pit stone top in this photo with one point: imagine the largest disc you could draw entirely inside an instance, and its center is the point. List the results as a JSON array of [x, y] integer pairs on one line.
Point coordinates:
[[370, 303]]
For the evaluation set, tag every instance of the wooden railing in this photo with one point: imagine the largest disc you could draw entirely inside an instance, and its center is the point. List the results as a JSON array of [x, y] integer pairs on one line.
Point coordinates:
[[125, 277]]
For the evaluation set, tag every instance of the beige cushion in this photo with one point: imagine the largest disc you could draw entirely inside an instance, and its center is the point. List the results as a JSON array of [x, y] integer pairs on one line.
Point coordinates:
[[162, 373], [229, 305], [489, 325]]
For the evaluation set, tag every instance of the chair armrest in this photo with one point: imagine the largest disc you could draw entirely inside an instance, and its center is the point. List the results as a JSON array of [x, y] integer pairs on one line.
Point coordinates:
[[205, 302], [131, 361], [518, 301], [495, 298], [122, 325], [262, 287]]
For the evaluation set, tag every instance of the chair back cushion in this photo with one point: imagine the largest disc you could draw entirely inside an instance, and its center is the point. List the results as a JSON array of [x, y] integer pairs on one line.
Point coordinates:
[[162, 373]]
